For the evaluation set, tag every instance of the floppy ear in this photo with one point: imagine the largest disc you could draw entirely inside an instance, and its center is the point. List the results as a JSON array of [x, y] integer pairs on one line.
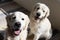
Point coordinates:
[[37, 4], [48, 12], [27, 22], [4, 11], [33, 8]]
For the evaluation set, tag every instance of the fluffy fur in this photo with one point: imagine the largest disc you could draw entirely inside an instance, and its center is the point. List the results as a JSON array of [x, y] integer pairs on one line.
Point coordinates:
[[17, 23], [39, 23]]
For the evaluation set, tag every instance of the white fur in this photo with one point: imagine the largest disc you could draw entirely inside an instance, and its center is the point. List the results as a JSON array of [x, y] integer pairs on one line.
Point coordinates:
[[24, 25], [40, 28]]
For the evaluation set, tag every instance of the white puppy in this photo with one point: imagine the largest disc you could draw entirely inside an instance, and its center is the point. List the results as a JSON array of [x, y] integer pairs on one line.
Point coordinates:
[[17, 23], [39, 24]]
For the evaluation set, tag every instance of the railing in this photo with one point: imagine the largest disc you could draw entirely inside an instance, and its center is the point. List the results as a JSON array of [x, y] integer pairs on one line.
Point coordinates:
[[3, 1]]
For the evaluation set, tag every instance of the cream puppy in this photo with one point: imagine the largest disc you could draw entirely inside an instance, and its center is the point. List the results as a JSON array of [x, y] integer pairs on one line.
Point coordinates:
[[39, 23], [17, 24]]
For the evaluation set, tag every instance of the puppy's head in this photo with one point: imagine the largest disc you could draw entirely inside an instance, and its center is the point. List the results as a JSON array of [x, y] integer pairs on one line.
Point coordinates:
[[40, 11], [17, 22]]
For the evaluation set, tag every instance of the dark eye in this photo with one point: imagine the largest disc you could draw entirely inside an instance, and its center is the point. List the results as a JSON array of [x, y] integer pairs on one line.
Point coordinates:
[[38, 8], [14, 17], [22, 18], [43, 11]]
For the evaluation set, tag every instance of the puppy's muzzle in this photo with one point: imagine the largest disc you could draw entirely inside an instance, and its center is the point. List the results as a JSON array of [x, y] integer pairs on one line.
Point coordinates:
[[17, 25], [37, 16], [16, 28]]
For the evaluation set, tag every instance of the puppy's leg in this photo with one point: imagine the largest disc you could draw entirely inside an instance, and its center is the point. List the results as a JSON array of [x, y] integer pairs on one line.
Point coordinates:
[[9, 38], [37, 36], [48, 35], [24, 35], [30, 33], [23, 39]]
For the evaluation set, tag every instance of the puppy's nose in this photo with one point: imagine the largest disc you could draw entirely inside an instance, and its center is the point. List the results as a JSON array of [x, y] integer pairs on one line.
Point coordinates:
[[37, 14], [18, 24]]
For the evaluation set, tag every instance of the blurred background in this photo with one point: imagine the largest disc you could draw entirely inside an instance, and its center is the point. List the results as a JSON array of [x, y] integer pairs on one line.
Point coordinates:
[[27, 5]]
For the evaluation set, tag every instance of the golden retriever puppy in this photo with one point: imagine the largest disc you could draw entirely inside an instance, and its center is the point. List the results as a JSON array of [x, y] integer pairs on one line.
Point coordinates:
[[17, 24], [39, 23]]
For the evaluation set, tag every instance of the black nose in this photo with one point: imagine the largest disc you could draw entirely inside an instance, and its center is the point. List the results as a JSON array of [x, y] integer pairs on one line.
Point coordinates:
[[18, 24], [37, 14]]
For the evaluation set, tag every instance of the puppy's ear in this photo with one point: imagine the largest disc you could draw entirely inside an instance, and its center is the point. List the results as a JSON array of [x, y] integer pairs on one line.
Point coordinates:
[[4, 11], [48, 12], [27, 22], [35, 6]]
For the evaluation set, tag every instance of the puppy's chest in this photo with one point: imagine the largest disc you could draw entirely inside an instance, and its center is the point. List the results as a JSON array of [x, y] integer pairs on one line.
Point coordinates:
[[17, 38], [34, 26], [13, 38]]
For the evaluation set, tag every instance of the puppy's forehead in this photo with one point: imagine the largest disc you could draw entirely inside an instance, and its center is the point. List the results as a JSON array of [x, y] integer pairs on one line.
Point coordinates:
[[41, 5], [19, 14]]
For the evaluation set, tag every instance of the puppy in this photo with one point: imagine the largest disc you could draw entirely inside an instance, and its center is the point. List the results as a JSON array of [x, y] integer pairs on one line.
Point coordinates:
[[39, 23], [17, 24]]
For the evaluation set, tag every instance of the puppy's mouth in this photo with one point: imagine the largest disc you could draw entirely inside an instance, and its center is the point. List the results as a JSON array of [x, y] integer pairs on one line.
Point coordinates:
[[17, 32], [37, 17]]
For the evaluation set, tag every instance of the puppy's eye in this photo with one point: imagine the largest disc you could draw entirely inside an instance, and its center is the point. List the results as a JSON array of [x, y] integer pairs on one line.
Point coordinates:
[[43, 11], [22, 18], [38, 8], [14, 17]]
